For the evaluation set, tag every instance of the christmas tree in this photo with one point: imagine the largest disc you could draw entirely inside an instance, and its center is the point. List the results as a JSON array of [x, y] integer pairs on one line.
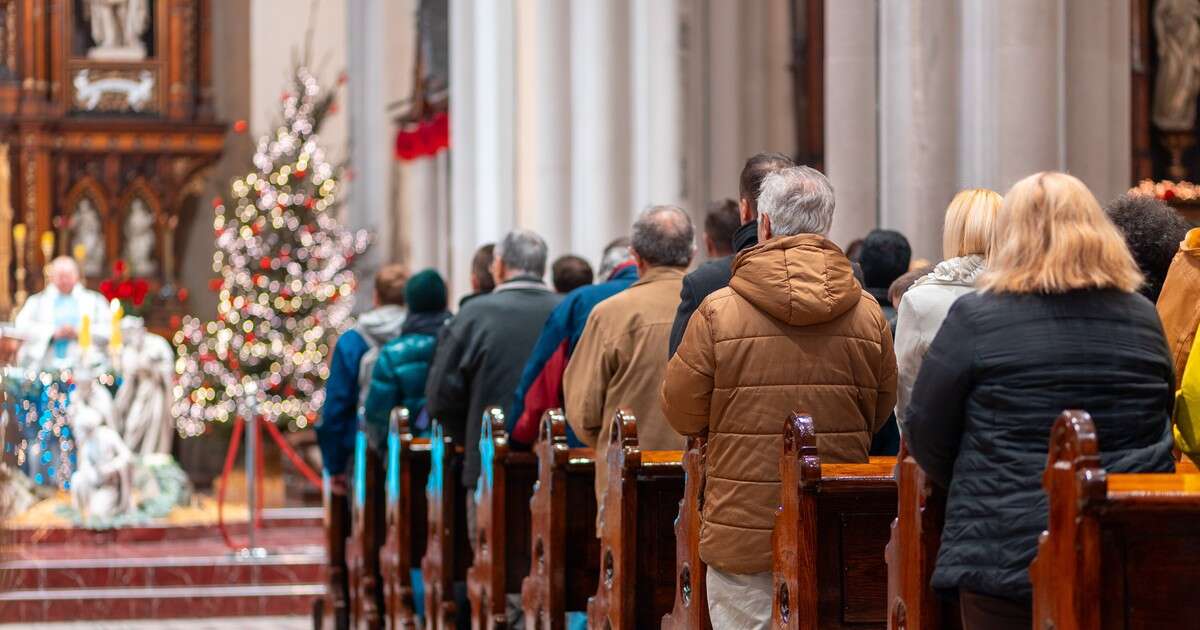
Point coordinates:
[[283, 261]]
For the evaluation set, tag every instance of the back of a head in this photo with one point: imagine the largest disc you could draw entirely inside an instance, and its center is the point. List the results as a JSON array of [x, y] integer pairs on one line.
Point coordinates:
[[1152, 231], [755, 171], [970, 223], [1052, 237], [523, 252], [569, 273], [481, 267], [390, 281], [664, 236], [901, 285], [426, 292], [798, 200], [616, 253], [720, 223], [885, 257]]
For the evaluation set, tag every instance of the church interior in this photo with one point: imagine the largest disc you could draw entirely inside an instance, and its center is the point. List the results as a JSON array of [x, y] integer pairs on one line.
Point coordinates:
[[201, 199]]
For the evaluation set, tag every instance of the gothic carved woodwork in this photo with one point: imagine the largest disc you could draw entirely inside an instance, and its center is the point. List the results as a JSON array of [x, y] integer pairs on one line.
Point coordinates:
[[107, 100]]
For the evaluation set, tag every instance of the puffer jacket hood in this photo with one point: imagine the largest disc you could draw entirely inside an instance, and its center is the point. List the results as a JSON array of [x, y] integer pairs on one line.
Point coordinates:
[[381, 324], [960, 271], [801, 280]]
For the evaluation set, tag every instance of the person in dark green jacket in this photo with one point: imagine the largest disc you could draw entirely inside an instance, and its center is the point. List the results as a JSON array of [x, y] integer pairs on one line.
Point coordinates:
[[398, 378]]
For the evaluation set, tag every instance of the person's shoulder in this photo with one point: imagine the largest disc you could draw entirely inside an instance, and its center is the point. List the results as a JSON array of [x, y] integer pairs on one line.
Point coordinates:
[[714, 272]]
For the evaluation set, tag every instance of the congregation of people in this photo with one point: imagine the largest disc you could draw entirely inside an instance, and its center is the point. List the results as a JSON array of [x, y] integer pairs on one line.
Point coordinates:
[[1043, 301]]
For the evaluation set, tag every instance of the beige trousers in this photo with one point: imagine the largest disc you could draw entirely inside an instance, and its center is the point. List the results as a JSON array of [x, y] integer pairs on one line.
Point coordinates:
[[741, 602]]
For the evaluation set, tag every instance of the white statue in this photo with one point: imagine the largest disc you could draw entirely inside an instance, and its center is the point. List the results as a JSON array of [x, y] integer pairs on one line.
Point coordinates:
[[139, 239], [117, 29], [1177, 27], [102, 484], [86, 230], [147, 365]]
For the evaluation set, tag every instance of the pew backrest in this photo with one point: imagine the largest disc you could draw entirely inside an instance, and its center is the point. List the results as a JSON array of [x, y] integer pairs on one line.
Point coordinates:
[[446, 540], [501, 554], [637, 543], [830, 533], [407, 471], [1119, 550], [690, 611], [562, 509], [912, 552]]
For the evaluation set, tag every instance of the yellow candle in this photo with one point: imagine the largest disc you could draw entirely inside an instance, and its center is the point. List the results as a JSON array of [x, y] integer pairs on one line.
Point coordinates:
[[48, 242], [19, 233], [85, 333], [79, 252], [114, 339]]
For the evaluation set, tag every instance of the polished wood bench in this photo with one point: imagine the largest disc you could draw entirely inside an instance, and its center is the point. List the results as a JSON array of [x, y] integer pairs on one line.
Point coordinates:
[[829, 539], [447, 547], [691, 592], [1119, 550], [502, 547], [366, 535], [637, 539], [564, 550], [912, 551], [407, 474], [337, 529]]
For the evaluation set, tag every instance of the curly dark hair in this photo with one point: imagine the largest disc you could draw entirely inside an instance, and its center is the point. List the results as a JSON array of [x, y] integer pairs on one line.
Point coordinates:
[[1153, 231]]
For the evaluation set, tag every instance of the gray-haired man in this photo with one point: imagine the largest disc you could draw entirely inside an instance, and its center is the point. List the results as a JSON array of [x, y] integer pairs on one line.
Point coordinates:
[[483, 349]]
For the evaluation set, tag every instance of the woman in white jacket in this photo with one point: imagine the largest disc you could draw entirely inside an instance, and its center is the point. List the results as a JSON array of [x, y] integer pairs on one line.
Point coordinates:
[[966, 243]]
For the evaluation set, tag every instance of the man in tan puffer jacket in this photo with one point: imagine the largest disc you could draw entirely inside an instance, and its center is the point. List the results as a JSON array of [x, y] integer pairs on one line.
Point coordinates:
[[793, 332]]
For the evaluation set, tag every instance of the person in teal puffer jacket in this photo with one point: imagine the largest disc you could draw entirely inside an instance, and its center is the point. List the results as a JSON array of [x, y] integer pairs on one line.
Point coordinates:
[[398, 378]]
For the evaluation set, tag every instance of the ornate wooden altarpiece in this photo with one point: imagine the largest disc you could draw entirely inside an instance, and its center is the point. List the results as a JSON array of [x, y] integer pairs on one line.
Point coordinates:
[[106, 111]]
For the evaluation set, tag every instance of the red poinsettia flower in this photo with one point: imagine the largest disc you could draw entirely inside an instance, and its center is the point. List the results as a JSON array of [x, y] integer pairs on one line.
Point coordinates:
[[140, 289], [106, 289], [125, 290], [119, 267]]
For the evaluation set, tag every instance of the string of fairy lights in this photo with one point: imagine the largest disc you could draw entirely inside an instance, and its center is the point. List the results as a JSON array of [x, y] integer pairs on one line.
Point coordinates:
[[283, 261]]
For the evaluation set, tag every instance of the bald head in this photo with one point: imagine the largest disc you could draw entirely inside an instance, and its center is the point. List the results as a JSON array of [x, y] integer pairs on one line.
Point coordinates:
[[664, 236], [64, 273]]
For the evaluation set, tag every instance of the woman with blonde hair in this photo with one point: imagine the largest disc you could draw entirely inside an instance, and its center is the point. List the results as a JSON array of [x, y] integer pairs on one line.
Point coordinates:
[[1057, 324], [966, 243]]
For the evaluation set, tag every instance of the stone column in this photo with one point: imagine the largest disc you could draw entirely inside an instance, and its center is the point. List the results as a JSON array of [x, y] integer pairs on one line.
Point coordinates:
[[657, 103], [463, 239], [600, 122], [543, 122]]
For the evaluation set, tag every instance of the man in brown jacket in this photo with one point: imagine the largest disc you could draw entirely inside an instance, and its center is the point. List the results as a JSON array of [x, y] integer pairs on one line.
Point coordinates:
[[793, 332], [619, 360]]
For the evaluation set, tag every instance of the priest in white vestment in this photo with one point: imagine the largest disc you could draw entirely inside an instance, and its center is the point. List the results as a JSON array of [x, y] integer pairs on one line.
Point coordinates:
[[51, 321]]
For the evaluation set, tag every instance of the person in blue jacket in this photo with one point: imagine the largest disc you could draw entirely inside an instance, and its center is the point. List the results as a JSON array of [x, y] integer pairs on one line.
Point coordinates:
[[540, 387], [398, 378], [339, 415]]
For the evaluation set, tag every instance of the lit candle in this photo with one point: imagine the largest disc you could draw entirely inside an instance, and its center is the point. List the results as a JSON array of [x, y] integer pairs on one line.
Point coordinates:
[[48, 244], [79, 252], [114, 339], [19, 233], [85, 333]]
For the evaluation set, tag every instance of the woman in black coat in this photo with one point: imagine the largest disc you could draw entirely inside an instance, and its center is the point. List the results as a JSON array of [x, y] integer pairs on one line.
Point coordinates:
[[1057, 325]]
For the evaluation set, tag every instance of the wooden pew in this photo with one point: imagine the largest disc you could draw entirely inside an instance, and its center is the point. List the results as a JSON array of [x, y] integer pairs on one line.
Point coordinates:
[[691, 591], [1120, 549], [446, 546], [407, 474], [912, 551], [830, 533], [502, 523], [565, 554], [366, 534], [637, 542], [337, 527]]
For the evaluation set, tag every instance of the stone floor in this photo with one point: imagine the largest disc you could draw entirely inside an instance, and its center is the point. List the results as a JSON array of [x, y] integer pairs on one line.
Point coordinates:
[[217, 623]]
